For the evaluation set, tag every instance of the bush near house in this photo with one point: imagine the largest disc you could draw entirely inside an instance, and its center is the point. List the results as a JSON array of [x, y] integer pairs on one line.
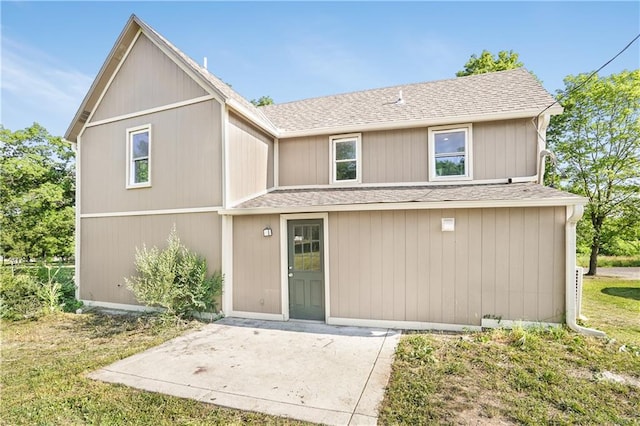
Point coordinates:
[[175, 279]]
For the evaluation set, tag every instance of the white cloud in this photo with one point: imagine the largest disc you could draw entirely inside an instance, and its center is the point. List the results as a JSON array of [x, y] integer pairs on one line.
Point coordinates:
[[33, 82]]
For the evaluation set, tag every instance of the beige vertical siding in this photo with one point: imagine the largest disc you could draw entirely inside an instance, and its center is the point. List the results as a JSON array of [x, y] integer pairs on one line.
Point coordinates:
[[186, 162], [501, 149], [395, 156], [399, 265], [109, 246], [256, 265], [148, 78], [250, 160], [304, 161]]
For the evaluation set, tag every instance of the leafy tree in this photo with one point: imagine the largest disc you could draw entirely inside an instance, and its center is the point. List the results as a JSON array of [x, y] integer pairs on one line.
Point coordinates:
[[486, 62], [597, 141], [37, 185], [262, 101]]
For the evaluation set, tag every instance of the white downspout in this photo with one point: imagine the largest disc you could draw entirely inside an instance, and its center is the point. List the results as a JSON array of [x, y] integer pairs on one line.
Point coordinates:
[[574, 213]]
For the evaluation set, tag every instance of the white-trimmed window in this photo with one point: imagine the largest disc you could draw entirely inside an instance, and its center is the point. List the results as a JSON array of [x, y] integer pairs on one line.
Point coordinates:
[[139, 156], [345, 158], [450, 152]]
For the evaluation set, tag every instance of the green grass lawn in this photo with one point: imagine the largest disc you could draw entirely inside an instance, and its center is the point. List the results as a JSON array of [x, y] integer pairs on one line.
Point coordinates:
[[44, 364], [525, 377], [613, 306], [501, 377], [610, 261]]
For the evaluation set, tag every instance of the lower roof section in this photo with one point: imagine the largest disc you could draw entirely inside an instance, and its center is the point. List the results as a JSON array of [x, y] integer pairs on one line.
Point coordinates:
[[405, 197]]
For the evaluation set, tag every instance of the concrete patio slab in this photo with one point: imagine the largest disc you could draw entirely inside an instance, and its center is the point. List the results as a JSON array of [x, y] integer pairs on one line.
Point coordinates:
[[307, 371]]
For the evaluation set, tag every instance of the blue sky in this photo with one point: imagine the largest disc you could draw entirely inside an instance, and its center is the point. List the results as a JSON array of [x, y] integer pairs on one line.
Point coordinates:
[[51, 51]]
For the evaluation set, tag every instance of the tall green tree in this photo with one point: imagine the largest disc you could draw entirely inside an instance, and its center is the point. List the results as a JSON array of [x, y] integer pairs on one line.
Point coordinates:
[[597, 142], [37, 194], [487, 62], [262, 101]]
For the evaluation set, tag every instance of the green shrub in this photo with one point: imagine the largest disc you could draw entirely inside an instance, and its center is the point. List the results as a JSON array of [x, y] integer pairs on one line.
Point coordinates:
[[19, 295], [29, 291], [175, 279]]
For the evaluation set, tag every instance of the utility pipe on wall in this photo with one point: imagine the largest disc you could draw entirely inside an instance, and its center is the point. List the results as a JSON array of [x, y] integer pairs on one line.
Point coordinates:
[[574, 213]]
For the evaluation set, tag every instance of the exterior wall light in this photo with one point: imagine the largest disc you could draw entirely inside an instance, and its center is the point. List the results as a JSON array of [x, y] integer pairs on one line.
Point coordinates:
[[266, 232], [448, 224]]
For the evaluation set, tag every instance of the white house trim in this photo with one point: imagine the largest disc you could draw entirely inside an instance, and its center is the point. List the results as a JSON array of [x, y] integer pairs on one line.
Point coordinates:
[[500, 323], [284, 259], [263, 123], [227, 264], [521, 179], [546, 202], [255, 315], [276, 162], [370, 127], [78, 233], [120, 306], [151, 110], [113, 76], [406, 325], [153, 212], [467, 128]]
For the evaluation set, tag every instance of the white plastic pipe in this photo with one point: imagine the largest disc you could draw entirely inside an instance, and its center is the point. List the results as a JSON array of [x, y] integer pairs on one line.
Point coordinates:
[[574, 214]]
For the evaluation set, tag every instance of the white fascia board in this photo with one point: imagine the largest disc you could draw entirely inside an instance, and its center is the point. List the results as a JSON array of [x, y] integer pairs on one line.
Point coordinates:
[[393, 125], [544, 202], [263, 123], [255, 315]]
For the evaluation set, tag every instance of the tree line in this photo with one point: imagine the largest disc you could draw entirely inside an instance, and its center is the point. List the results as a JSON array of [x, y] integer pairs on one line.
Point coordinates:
[[596, 141]]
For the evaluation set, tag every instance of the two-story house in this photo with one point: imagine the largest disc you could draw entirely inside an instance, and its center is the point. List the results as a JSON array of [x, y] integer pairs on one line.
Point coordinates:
[[416, 206]]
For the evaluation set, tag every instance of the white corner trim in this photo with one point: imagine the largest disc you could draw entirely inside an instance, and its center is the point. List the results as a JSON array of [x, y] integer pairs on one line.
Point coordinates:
[[509, 324], [78, 233], [227, 264], [151, 110], [255, 315], [224, 122], [276, 162], [403, 325], [153, 212], [120, 306]]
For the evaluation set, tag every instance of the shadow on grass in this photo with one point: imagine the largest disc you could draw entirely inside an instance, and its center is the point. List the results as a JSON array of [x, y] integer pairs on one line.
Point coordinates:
[[626, 292]]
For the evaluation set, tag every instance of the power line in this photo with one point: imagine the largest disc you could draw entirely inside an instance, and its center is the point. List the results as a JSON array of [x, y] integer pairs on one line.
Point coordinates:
[[592, 74]]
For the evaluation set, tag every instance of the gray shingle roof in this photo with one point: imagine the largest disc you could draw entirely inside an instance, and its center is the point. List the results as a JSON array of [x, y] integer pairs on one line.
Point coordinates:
[[491, 93], [406, 194]]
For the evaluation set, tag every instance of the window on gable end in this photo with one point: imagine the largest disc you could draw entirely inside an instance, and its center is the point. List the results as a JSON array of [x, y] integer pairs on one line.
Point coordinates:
[[345, 158], [139, 157], [450, 153]]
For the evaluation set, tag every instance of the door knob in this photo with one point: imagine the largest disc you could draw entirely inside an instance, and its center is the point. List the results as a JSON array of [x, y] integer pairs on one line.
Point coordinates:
[[290, 274]]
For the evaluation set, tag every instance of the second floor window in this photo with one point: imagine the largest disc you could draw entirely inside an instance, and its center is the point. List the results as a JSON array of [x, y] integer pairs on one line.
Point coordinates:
[[139, 157], [345, 154], [450, 153]]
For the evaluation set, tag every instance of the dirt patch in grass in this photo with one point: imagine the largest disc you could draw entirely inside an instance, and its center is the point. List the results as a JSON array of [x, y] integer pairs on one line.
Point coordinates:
[[511, 377], [45, 362]]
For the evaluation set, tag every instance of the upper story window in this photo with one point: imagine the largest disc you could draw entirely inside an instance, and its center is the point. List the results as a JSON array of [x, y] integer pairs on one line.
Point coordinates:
[[345, 158], [450, 152], [139, 156]]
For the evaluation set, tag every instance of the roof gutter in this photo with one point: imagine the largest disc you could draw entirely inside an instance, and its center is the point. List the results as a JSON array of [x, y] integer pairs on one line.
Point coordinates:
[[574, 213], [409, 205]]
